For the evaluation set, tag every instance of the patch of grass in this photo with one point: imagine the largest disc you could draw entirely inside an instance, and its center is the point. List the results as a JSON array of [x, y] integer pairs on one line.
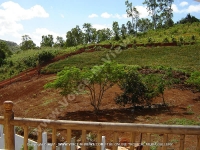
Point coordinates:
[[183, 121], [189, 110]]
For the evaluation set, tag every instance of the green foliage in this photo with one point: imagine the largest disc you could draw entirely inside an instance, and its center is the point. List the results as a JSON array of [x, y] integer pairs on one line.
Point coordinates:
[[183, 121], [47, 41], [184, 58], [27, 43], [115, 27], [134, 90], [4, 50], [194, 79], [23, 60], [104, 76], [155, 85], [166, 40], [45, 56], [188, 19]]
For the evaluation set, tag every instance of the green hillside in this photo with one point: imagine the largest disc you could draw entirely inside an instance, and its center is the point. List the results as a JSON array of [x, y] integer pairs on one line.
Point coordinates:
[[14, 47], [178, 57]]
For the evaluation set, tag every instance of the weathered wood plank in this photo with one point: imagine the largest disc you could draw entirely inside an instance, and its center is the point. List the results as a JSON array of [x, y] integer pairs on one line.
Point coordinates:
[[182, 142], [39, 140], [25, 138]]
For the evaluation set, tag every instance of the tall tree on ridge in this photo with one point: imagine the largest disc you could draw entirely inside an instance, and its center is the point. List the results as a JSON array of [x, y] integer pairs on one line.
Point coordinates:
[[115, 28], [159, 10], [133, 13], [88, 32]]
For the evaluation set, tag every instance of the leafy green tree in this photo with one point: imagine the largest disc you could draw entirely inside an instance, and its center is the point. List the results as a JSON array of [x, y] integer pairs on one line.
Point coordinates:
[[103, 35], [4, 52], [134, 90], [27, 43], [70, 39], [88, 32], [144, 24], [2, 57], [130, 28], [139, 89], [133, 13], [77, 35], [188, 19], [93, 35], [123, 31], [116, 29], [59, 42], [96, 80], [47, 41], [159, 10], [152, 8]]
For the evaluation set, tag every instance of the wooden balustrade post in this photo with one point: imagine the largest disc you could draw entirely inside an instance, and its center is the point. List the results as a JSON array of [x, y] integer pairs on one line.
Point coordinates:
[[8, 128]]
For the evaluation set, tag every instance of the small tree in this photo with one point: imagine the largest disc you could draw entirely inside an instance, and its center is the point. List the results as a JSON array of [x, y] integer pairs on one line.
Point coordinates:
[[27, 43], [134, 90], [96, 81], [47, 41], [140, 90]]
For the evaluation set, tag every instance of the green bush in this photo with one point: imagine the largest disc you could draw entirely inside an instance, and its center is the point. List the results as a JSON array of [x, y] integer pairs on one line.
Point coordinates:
[[194, 79], [134, 90], [45, 56], [166, 40]]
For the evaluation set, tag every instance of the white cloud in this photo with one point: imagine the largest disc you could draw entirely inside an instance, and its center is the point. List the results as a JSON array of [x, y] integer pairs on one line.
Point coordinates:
[[175, 8], [117, 16], [100, 26], [193, 8], [190, 9], [93, 16], [182, 4], [142, 11], [12, 13], [106, 15], [124, 16]]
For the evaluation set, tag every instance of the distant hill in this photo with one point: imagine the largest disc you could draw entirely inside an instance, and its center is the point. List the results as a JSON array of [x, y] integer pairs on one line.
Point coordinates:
[[14, 47]]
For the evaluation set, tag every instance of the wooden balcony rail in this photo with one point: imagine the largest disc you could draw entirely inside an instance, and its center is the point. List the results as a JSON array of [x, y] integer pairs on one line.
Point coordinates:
[[9, 121]]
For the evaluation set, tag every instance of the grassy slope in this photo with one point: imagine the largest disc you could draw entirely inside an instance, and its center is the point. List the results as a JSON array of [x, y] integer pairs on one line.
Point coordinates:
[[184, 57]]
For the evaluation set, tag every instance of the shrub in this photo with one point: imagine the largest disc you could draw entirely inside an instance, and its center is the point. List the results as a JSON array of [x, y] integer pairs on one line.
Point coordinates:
[[138, 90], [134, 90], [194, 79], [173, 39], [45, 56], [166, 40]]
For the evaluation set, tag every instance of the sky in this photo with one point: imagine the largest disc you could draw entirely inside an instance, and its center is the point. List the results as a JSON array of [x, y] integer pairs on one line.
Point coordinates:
[[42, 17]]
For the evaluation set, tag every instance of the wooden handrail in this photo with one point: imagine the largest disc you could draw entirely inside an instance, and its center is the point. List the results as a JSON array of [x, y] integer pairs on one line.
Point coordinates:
[[107, 126]]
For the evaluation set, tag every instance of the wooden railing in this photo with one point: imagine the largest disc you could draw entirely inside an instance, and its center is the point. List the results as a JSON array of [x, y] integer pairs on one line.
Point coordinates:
[[9, 121]]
